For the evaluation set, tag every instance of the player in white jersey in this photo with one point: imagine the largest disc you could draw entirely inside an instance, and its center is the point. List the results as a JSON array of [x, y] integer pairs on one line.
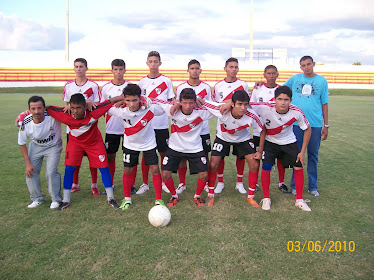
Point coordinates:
[[202, 91], [156, 85], [280, 141], [90, 90], [234, 131], [265, 93], [45, 135], [223, 92]]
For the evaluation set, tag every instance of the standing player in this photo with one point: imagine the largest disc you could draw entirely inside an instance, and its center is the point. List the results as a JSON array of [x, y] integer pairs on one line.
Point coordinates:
[[157, 86], [223, 92], [265, 93], [45, 135], [90, 90], [280, 141], [202, 91]]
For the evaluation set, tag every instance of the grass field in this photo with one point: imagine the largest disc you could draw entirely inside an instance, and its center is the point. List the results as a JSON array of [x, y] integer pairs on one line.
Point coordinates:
[[231, 240]]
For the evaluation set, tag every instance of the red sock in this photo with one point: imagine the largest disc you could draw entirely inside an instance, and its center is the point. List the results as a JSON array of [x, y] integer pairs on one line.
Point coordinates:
[[200, 186], [299, 183], [145, 171], [126, 183], [157, 182], [133, 174], [182, 174], [212, 176], [258, 170], [252, 181], [170, 185], [265, 182], [281, 171], [112, 169], [93, 175], [221, 168], [240, 163], [76, 175]]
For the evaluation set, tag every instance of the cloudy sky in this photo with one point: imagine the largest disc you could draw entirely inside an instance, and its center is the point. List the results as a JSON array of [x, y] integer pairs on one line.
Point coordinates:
[[33, 32]]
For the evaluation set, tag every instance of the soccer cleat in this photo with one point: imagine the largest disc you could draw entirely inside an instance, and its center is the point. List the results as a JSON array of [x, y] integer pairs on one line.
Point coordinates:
[[252, 201], [257, 188], [133, 189], [125, 204], [113, 203], [293, 192], [219, 188], [181, 188], [314, 193], [95, 191], [142, 189], [62, 206], [283, 188], [75, 189], [35, 204], [55, 204], [302, 204], [266, 204], [165, 188], [240, 188], [209, 201], [173, 201], [159, 202], [199, 201]]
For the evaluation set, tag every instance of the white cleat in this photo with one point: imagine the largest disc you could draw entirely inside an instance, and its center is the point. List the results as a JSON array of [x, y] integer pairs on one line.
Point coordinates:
[[266, 204], [34, 204], [165, 188], [55, 204], [302, 204], [181, 188], [219, 188], [142, 189], [240, 188]]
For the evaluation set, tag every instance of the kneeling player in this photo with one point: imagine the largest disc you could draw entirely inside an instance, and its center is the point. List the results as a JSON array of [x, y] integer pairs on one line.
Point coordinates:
[[280, 141]]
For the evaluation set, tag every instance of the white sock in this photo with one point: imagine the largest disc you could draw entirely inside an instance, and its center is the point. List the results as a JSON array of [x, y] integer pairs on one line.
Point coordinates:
[[66, 193], [93, 186], [109, 193]]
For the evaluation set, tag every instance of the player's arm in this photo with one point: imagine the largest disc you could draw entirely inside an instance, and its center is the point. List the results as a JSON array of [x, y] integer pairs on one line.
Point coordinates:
[[301, 155], [29, 167], [325, 129], [258, 154]]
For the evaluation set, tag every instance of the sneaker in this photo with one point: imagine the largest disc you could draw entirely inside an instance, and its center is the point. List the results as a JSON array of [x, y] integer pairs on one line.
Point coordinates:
[[199, 201], [314, 193], [283, 188], [55, 204], [302, 204], [113, 203], [209, 201], [173, 201], [63, 205], [219, 188], [165, 188], [133, 189], [75, 189], [95, 191], [160, 202], [294, 192], [125, 204], [252, 201], [34, 204], [266, 204], [181, 188], [240, 188], [257, 188], [142, 189]]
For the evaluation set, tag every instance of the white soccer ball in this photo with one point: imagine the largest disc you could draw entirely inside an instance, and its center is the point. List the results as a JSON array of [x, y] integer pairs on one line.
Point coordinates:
[[159, 216]]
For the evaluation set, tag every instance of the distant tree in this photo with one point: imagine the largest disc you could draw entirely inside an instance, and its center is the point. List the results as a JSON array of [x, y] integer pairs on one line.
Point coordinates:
[[357, 63]]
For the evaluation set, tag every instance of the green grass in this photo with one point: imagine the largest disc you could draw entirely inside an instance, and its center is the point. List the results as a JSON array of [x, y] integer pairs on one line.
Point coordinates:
[[231, 240]]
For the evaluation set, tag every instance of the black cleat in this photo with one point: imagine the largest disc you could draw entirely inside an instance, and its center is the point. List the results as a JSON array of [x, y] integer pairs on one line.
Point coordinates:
[[133, 189], [283, 188], [113, 203], [63, 205]]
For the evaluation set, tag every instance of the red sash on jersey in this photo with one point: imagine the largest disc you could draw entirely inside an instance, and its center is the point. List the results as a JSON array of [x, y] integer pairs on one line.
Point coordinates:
[[107, 117], [232, 131], [88, 93], [187, 127], [202, 93], [158, 90], [273, 131], [228, 97], [140, 124]]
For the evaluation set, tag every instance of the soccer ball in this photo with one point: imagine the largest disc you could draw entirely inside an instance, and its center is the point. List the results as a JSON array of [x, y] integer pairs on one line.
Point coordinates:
[[159, 216]]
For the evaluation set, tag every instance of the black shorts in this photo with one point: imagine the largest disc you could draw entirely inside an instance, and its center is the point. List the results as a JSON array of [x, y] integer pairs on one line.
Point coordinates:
[[131, 157], [112, 142], [256, 141], [287, 153], [197, 162], [162, 139], [205, 140], [222, 148]]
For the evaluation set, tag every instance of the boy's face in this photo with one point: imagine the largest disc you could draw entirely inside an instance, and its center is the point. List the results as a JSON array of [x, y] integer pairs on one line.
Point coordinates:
[[239, 108], [80, 69], [271, 75], [194, 71], [78, 110], [153, 63], [232, 69], [307, 66], [132, 102], [187, 106], [282, 103], [37, 111], [118, 72]]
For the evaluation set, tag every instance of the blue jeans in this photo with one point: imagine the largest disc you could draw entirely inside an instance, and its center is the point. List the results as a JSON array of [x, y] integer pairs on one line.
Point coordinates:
[[312, 151]]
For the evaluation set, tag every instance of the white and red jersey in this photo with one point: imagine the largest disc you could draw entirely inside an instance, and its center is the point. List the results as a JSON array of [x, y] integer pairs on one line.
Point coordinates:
[[89, 89], [224, 90], [202, 90], [139, 134], [113, 124], [185, 130], [262, 94], [235, 130], [161, 88], [45, 134], [279, 126], [84, 131]]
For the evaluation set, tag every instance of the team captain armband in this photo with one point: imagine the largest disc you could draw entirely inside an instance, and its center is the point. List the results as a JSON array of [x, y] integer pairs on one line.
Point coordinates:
[[20, 118]]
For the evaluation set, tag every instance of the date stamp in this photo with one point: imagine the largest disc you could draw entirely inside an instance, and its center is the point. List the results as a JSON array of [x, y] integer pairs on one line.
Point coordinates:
[[321, 246]]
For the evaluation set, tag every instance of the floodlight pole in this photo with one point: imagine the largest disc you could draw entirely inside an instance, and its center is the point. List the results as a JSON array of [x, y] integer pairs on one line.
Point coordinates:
[[251, 35], [67, 33]]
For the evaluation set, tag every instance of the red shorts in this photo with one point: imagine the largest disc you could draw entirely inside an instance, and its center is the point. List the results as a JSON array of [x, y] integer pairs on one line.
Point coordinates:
[[96, 154]]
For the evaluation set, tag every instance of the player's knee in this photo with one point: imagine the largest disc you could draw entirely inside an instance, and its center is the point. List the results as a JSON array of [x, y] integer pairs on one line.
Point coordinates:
[[154, 169], [166, 176], [203, 176], [267, 166]]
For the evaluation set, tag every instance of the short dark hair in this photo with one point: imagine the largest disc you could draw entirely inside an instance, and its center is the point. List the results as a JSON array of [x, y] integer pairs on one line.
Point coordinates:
[[193, 61], [270, 67], [283, 89], [132, 90], [231, 59], [79, 59], [187, 93], [36, 98], [240, 95], [78, 99], [118, 62], [154, 53], [305, 57]]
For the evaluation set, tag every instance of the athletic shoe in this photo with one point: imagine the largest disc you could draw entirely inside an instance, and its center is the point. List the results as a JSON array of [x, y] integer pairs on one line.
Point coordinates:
[[240, 188], [314, 193], [219, 188], [209, 201], [257, 188], [125, 204], [293, 192], [173, 201], [113, 203], [35, 204], [199, 201], [302, 204], [160, 202], [63, 205], [283, 188], [142, 189], [165, 188], [252, 201], [55, 204], [133, 189], [95, 191], [75, 189], [266, 204], [181, 188]]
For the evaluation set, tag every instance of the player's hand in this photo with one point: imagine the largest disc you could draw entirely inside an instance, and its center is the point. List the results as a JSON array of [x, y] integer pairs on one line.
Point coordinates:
[[300, 157], [199, 101], [120, 104], [175, 108], [29, 170], [20, 117], [67, 109], [224, 108], [258, 84], [91, 105], [257, 155], [325, 132]]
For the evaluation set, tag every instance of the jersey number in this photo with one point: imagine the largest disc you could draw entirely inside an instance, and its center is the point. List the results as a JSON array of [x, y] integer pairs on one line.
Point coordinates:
[[126, 158], [217, 147]]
